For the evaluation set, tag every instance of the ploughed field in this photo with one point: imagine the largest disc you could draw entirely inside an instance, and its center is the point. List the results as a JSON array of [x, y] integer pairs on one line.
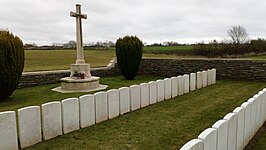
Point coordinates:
[[165, 125]]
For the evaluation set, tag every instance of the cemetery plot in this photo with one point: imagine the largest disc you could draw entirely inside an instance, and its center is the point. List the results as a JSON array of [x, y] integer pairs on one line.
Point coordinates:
[[51, 120], [124, 100], [222, 133], [160, 90], [113, 103], [70, 115], [153, 92], [179, 105], [8, 131], [29, 123], [180, 81], [144, 94], [167, 88], [208, 137], [101, 107], [87, 110], [134, 97]]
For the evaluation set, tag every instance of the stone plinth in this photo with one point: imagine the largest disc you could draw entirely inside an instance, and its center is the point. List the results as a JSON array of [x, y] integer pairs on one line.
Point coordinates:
[[71, 85], [80, 68]]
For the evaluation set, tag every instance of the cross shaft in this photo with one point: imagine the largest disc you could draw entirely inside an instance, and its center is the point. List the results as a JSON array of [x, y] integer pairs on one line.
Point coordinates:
[[79, 16]]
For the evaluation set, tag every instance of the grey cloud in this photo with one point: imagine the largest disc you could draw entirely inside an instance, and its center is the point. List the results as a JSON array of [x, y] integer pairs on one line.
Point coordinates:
[[48, 21]]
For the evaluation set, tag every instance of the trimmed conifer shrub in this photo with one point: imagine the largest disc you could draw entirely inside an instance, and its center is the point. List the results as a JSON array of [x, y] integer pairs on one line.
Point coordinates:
[[129, 53], [11, 63]]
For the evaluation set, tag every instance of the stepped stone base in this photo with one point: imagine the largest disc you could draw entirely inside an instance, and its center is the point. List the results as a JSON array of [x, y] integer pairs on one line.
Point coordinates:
[[70, 85]]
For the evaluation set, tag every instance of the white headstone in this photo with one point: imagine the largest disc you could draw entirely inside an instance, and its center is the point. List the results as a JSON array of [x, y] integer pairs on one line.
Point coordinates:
[[232, 129], [167, 88], [29, 125], [144, 95], [186, 83], [87, 110], [247, 124], [264, 103], [214, 76], [51, 120], [195, 144], [180, 80], [222, 132], [208, 136], [101, 108], [192, 82], [160, 90], [113, 103], [205, 78], [174, 86], [8, 131], [199, 80], [153, 92], [134, 97], [209, 77], [253, 116], [258, 107], [240, 127], [262, 108], [124, 100], [70, 114]]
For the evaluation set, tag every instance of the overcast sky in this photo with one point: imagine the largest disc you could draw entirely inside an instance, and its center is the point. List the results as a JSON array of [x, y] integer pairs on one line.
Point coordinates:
[[186, 21]]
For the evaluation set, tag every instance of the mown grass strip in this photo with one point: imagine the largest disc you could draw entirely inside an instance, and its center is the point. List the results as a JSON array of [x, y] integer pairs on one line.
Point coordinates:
[[165, 125]]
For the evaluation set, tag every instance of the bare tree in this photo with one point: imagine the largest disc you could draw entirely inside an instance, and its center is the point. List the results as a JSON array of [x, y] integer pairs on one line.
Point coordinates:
[[70, 44], [238, 35]]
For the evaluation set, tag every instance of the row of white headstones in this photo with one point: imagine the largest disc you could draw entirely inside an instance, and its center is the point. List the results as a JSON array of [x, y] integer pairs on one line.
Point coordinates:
[[52, 119], [236, 129]]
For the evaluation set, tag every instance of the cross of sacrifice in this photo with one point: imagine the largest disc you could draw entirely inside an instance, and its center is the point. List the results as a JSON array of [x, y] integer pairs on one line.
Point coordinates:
[[79, 16]]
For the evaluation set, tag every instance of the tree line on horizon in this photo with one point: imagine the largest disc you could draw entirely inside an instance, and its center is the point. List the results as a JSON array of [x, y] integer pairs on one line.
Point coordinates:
[[237, 44]]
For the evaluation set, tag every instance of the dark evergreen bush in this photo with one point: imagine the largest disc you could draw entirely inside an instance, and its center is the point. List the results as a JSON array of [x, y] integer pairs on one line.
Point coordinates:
[[129, 53], [11, 63]]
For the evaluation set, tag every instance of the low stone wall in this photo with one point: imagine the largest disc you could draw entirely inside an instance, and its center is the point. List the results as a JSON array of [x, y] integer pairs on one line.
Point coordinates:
[[29, 79], [236, 69]]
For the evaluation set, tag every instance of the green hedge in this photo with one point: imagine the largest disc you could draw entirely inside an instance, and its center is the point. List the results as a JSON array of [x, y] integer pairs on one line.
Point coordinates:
[[129, 52], [11, 63]]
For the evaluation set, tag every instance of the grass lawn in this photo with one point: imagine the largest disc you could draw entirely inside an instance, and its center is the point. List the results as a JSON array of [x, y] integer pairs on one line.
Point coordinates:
[[36, 60], [167, 48], [40, 60], [261, 144], [258, 57], [165, 125], [153, 48], [42, 94]]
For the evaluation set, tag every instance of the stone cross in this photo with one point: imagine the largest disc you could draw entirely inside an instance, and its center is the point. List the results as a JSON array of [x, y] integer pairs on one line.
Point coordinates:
[[79, 16]]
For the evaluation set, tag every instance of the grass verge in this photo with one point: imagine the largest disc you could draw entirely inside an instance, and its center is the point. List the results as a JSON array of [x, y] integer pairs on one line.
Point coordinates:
[[165, 125], [258, 57], [167, 48], [261, 141], [42, 94], [40, 60]]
